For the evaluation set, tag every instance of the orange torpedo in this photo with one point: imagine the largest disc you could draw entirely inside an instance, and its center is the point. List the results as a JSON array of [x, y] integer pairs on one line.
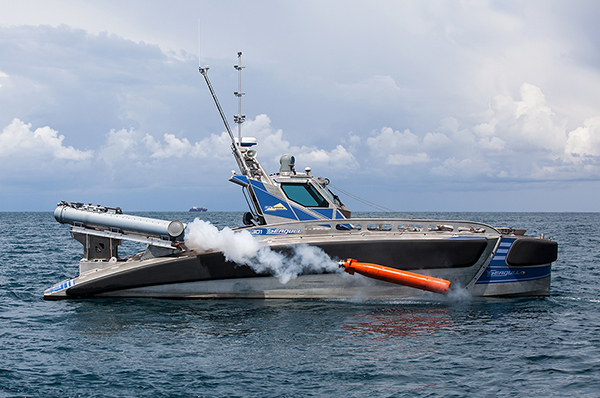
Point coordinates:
[[397, 276]]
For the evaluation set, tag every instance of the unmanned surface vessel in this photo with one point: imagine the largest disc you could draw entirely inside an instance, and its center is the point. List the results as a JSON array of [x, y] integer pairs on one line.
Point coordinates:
[[288, 210]]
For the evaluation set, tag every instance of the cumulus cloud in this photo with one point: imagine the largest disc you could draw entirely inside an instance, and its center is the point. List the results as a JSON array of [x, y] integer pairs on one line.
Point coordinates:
[[18, 141], [145, 157], [399, 148], [272, 144], [216, 146], [519, 139], [584, 142], [120, 144], [516, 139], [529, 123], [132, 144], [399, 159], [173, 146]]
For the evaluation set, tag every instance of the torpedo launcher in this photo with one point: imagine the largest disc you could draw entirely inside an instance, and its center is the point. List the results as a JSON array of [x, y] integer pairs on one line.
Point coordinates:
[[411, 279], [101, 229]]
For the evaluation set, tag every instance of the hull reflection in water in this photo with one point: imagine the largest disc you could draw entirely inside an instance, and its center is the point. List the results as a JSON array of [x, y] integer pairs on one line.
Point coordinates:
[[397, 322]]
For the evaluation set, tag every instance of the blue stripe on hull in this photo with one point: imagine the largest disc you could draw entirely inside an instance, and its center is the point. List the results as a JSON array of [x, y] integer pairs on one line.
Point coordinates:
[[62, 286], [506, 274]]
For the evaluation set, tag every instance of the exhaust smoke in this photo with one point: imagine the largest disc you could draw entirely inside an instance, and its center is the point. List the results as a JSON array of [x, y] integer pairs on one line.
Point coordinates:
[[242, 248]]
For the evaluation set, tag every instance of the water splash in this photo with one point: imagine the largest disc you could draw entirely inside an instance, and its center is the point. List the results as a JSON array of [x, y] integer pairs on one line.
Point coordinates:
[[459, 294]]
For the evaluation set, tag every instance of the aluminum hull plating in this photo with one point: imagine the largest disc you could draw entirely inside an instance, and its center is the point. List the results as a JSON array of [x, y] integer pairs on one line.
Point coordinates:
[[321, 286], [325, 286], [461, 258], [534, 287]]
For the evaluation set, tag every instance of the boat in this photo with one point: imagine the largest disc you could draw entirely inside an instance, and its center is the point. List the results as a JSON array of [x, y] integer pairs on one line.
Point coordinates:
[[196, 208], [295, 219]]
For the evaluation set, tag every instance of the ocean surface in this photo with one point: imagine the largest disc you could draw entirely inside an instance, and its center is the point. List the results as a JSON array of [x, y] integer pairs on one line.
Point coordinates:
[[432, 347]]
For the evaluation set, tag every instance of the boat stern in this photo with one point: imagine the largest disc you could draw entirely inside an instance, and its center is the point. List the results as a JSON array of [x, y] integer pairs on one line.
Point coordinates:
[[521, 266]]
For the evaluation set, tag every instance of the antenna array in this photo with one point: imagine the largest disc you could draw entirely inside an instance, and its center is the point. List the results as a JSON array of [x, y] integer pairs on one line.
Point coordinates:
[[239, 118]]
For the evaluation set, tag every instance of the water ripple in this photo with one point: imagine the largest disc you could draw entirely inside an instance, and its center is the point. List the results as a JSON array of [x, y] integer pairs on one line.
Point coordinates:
[[255, 348]]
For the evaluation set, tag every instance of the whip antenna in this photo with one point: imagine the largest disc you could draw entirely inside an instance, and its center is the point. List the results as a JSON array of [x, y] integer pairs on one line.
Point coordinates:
[[235, 147], [199, 61]]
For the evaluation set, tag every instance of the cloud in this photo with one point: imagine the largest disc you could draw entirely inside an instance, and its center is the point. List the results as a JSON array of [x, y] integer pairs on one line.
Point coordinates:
[[526, 124], [461, 168], [121, 144], [87, 84], [430, 93], [399, 148], [436, 141], [405, 160], [129, 157], [520, 139], [3, 77], [173, 147], [18, 141], [271, 145], [584, 142]]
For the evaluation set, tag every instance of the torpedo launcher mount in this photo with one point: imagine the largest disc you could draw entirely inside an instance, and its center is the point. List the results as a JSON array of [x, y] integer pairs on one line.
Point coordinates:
[[101, 229]]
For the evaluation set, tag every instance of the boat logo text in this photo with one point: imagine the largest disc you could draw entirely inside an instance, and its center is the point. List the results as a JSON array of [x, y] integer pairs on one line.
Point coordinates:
[[275, 231], [278, 206]]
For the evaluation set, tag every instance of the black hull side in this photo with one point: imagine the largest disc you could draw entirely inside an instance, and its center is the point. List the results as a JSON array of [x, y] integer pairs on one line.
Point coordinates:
[[531, 251], [164, 271], [410, 254]]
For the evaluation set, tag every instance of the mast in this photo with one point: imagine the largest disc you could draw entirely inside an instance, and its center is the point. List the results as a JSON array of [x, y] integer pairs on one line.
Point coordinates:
[[239, 118]]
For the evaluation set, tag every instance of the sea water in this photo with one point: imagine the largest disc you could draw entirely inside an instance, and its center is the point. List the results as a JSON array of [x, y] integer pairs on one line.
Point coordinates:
[[432, 347]]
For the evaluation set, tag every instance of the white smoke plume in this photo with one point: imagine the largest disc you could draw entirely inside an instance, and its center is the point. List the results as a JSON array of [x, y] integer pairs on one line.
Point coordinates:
[[242, 248]]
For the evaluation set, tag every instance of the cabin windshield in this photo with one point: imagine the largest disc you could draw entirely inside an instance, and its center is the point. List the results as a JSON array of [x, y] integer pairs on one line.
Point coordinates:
[[305, 195]]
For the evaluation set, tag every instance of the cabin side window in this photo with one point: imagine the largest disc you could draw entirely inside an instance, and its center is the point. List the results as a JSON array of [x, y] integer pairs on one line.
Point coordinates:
[[331, 196], [305, 195]]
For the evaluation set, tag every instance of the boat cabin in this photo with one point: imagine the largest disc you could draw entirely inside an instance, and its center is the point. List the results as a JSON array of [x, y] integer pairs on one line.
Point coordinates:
[[286, 195]]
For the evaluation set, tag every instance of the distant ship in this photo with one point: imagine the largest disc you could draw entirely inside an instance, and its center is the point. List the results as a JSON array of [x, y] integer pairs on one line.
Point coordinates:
[[196, 208]]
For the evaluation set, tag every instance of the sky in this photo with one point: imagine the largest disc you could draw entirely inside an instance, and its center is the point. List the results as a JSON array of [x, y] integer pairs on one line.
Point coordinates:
[[413, 105]]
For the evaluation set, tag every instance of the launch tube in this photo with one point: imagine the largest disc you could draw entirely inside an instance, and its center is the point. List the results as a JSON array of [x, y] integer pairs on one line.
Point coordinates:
[[418, 281], [90, 217]]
